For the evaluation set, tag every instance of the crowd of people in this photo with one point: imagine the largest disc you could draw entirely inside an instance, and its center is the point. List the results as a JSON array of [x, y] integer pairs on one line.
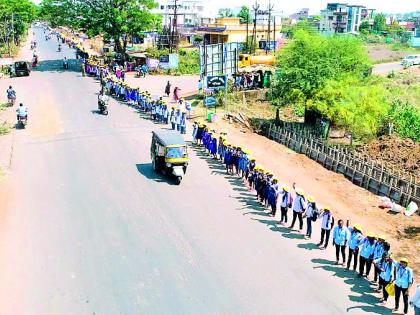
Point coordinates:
[[353, 249], [251, 80]]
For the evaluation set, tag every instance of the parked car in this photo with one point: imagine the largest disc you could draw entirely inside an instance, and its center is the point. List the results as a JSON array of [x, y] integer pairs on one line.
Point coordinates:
[[411, 60], [22, 68]]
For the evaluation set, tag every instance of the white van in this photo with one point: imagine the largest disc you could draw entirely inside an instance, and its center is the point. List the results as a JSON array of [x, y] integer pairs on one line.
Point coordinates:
[[411, 60]]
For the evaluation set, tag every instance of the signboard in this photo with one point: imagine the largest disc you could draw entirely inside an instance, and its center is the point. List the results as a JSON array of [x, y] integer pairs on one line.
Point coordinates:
[[263, 44], [164, 59], [216, 82], [171, 61], [209, 101], [219, 58]]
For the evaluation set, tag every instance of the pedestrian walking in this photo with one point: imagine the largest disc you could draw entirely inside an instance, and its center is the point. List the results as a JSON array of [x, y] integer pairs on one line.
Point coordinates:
[[386, 267], [366, 254], [311, 216], [299, 207], [356, 237], [340, 238], [327, 222], [403, 281]]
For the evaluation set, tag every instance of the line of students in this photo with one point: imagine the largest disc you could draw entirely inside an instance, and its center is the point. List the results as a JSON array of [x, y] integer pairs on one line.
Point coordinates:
[[364, 252]]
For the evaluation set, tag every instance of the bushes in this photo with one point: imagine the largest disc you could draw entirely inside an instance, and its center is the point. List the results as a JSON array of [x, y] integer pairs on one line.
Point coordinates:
[[406, 119], [189, 59]]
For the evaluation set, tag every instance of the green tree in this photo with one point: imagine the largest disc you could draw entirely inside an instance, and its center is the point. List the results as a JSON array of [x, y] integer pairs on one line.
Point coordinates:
[[15, 17], [379, 22], [309, 60], [244, 14], [364, 27], [225, 12], [357, 105], [115, 19]]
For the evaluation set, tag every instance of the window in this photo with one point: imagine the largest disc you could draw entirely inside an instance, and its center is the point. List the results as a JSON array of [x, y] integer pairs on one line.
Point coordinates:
[[330, 18], [173, 153], [162, 7]]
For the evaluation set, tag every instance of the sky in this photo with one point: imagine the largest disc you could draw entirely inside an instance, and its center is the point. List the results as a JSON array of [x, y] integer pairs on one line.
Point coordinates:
[[289, 7]]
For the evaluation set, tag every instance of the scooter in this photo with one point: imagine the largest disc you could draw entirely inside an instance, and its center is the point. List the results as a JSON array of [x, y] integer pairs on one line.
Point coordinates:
[[103, 107], [22, 121]]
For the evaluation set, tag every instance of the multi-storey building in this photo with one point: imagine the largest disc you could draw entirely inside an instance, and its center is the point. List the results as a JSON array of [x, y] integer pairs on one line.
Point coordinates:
[[189, 12], [342, 18]]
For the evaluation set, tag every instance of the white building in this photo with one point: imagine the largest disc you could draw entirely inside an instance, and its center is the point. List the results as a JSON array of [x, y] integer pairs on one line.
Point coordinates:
[[342, 18], [189, 12]]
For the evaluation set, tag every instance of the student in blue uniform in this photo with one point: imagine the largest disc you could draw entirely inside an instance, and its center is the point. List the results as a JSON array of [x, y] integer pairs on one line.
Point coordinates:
[[367, 246], [403, 281], [285, 203], [340, 238], [386, 269], [273, 194], [311, 215], [380, 248], [298, 207], [355, 239]]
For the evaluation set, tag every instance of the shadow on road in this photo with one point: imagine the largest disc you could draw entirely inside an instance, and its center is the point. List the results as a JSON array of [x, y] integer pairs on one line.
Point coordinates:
[[363, 292], [147, 171], [57, 66]]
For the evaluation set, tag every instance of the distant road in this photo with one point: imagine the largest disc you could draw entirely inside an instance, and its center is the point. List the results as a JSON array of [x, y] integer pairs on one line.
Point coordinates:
[[385, 68]]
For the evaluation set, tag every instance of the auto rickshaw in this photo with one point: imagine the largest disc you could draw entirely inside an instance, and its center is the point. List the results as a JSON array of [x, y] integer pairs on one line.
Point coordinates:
[[169, 153]]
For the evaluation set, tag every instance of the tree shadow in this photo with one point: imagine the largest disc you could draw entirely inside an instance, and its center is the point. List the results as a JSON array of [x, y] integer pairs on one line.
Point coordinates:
[[57, 66], [147, 171]]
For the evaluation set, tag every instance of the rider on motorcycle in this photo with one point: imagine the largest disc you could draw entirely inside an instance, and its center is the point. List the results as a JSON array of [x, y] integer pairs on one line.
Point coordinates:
[[65, 63], [102, 100], [11, 95], [22, 111]]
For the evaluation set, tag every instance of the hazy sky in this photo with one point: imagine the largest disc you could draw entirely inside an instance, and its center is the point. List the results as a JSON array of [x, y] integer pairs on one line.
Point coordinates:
[[288, 6]]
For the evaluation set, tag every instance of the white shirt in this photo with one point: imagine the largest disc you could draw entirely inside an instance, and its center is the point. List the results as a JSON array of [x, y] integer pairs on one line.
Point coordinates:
[[415, 299], [22, 111]]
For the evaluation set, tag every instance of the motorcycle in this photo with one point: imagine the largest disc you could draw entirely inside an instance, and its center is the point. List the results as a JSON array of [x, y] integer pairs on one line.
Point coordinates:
[[22, 121], [103, 107]]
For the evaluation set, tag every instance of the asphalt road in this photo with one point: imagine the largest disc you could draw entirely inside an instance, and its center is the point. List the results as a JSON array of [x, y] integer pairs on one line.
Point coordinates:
[[92, 230], [385, 68]]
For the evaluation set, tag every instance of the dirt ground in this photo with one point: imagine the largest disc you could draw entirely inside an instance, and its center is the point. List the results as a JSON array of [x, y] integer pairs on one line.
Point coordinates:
[[348, 201], [380, 53], [396, 153]]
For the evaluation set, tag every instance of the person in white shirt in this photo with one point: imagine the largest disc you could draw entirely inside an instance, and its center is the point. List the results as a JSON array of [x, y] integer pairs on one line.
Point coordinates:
[[22, 111], [341, 236], [415, 301], [327, 222]]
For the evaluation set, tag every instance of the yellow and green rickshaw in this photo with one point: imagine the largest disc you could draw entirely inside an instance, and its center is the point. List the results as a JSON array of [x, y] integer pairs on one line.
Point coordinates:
[[169, 153]]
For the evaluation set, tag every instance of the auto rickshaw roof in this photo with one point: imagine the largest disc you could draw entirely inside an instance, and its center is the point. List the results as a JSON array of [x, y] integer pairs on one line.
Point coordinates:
[[169, 137]]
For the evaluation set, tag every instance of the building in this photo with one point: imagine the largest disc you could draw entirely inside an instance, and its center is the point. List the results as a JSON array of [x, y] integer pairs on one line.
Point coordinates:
[[231, 30], [343, 18], [302, 14], [189, 12]]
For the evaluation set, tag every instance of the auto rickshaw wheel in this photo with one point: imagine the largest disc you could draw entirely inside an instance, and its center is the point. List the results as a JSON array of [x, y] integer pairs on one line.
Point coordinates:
[[178, 180]]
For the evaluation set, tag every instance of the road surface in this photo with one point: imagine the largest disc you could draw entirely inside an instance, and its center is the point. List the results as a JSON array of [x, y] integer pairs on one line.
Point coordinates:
[[91, 229], [385, 68]]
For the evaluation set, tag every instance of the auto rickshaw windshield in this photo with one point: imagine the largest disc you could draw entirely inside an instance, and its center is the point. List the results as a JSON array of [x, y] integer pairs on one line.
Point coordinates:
[[176, 152]]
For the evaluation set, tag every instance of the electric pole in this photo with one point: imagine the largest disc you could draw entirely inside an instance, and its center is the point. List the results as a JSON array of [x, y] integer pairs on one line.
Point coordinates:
[[270, 8], [256, 6], [174, 27]]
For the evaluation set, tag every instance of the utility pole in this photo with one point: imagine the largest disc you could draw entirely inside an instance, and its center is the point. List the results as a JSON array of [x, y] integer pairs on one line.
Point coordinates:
[[247, 27], [270, 8], [256, 6], [174, 26]]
